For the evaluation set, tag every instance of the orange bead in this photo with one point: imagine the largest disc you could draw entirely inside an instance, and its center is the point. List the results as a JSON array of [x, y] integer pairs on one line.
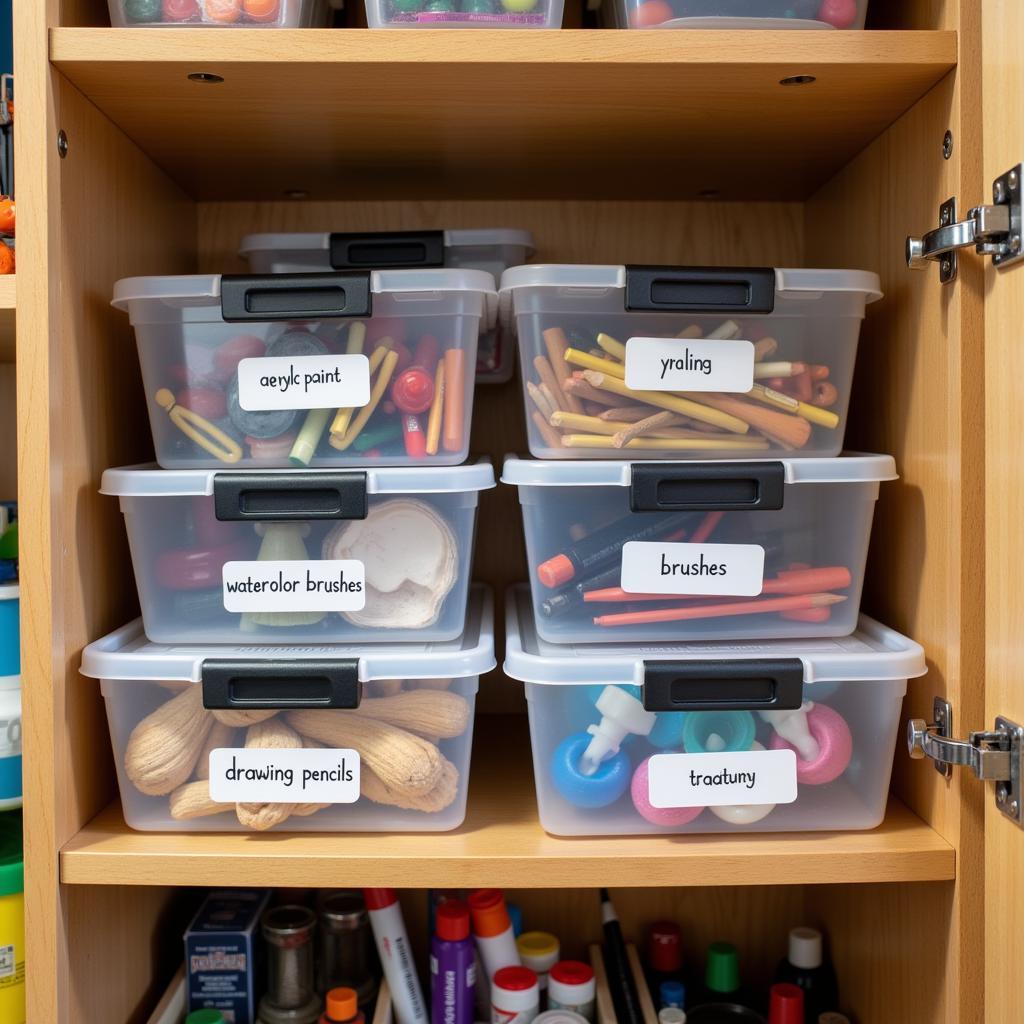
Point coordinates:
[[6, 216], [261, 10], [6, 259], [650, 13], [225, 11]]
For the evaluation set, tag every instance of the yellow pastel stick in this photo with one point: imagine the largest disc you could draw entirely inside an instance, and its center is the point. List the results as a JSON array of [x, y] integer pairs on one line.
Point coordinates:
[[356, 337], [344, 416], [811, 413], [380, 386], [589, 362], [434, 419], [205, 434], [614, 348], [682, 444]]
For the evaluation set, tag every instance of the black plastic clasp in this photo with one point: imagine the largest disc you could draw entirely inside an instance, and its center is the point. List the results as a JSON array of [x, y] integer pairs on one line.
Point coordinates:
[[380, 249], [281, 685], [706, 487], [700, 289], [289, 497], [762, 684], [245, 298]]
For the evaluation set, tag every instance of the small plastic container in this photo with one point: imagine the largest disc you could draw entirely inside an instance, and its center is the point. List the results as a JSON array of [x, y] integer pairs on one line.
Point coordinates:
[[10, 629], [191, 723], [464, 13], [746, 362], [738, 14], [10, 742], [301, 557], [365, 368], [637, 552], [218, 13], [492, 250], [786, 736]]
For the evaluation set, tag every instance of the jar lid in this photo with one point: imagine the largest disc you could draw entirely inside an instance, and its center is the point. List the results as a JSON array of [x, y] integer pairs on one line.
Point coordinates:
[[12, 862], [515, 979]]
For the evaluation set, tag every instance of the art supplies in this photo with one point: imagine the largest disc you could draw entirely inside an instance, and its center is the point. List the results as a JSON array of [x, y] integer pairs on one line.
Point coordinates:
[[396, 956], [766, 14], [806, 966], [342, 1007], [786, 1004], [347, 958], [492, 930], [12, 919], [665, 963], [539, 951], [515, 996], [452, 970], [291, 997], [572, 987], [625, 997]]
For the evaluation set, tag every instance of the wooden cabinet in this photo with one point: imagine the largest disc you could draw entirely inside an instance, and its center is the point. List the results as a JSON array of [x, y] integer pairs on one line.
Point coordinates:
[[643, 147]]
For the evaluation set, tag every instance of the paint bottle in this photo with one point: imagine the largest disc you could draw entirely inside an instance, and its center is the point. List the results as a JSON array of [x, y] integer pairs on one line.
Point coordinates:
[[452, 966], [786, 1004], [572, 986], [515, 996], [671, 1015], [492, 930], [206, 1016], [342, 1007], [540, 952], [396, 956], [807, 967], [664, 955]]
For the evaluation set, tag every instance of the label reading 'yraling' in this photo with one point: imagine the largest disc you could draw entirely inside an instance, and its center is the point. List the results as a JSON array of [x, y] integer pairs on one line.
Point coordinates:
[[727, 779], [733, 570], [300, 776], [690, 364], [298, 586], [304, 382]]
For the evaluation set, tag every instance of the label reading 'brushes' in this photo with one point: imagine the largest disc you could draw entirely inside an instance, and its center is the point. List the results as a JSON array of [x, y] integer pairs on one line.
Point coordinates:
[[304, 382], [321, 776], [725, 779], [295, 586], [690, 364], [728, 570]]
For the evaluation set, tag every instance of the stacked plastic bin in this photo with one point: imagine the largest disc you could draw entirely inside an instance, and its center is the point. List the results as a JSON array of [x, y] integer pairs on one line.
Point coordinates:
[[691, 642], [310, 644]]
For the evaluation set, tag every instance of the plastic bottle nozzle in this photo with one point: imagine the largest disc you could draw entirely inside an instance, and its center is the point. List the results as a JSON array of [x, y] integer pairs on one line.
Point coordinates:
[[413, 391], [723, 970], [792, 727], [621, 715], [342, 1004]]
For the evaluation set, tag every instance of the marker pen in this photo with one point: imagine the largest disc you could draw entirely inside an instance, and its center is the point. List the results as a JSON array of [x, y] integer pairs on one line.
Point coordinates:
[[492, 929], [396, 955], [620, 978]]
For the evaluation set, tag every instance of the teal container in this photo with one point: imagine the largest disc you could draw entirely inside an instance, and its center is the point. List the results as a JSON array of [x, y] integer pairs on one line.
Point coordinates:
[[10, 630]]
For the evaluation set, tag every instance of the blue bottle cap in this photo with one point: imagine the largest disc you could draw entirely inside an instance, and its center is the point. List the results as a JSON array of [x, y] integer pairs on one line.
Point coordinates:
[[671, 993], [515, 915]]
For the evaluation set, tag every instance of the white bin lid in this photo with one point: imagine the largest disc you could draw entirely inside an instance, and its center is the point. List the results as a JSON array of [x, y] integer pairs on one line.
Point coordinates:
[[872, 653], [787, 281], [848, 468], [126, 653], [313, 241], [147, 481]]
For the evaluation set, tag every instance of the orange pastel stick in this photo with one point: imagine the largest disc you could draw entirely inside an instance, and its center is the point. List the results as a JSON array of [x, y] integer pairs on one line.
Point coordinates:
[[454, 398], [715, 611]]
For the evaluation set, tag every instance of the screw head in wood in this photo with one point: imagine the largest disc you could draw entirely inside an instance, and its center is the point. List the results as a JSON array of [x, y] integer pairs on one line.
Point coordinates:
[[798, 80], [62, 144], [947, 145], [205, 76]]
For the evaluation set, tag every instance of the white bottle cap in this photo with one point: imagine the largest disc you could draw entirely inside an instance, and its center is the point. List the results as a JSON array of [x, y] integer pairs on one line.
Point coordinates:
[[621, 715], [671, 1015], [805, 948], [559, 1017]]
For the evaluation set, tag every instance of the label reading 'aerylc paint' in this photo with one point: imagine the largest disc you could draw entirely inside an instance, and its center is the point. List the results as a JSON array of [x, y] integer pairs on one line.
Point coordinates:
[[304, 382], [689, 364], [733, 570]]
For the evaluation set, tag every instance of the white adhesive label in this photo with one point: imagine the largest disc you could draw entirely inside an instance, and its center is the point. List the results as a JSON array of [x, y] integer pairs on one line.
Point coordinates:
[[297, 586], [728, 779], [239, 775], [304, 382], [733, 570], [690, 364]]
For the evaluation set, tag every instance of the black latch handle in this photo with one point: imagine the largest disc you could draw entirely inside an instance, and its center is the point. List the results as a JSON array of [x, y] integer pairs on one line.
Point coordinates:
[[281, 685], [380, 249], [707, 487], [245, 298], [761, 684], [700, 289], [289, 497]]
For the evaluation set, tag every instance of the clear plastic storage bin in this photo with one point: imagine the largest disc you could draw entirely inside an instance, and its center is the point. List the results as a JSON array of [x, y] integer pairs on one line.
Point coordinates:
[[492, 250], [635, 552], [784, 736], [301, 557], [365, 368], [738, 14], [310, 739], [218, 13], [735, 362], [464, 13]]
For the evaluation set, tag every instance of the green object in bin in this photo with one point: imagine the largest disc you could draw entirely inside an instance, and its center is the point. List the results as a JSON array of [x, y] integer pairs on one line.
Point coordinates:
[[723, 970], [143, 10], [205, 1017], [12, 863]]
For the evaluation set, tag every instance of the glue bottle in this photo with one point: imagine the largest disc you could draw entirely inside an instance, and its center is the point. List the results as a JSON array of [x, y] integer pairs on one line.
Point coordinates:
[[452, 968], [492, 929]]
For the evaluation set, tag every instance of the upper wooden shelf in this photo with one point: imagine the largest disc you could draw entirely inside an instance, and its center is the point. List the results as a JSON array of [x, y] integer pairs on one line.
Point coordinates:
[[502, 844], [501, 114]]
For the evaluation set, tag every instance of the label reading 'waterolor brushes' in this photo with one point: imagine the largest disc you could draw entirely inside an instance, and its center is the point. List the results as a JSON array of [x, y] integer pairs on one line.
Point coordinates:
[[727, 779], [732, 570], [323, 585], [300, 776], [691, 364], [304, 382]]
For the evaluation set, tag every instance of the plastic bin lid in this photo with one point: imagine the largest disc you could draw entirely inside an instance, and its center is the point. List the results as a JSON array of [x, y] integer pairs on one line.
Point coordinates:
[[147, 481], [313, 241], [848, 468], [787, 281], [872, 653], [126, 654], [12, 857]]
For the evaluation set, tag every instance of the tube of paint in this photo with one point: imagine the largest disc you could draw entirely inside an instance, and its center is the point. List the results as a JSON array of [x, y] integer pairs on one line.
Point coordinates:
[[452, 969], [396, 955], [492, 929]]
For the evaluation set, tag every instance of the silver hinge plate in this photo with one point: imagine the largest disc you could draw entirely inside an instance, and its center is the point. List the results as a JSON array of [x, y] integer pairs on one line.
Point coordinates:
[[996, 756], [992, 230]]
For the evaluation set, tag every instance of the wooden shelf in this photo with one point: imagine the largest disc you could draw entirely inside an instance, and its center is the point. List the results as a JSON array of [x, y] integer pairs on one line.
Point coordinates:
[[502, 844], [7, 318], [485, 114]]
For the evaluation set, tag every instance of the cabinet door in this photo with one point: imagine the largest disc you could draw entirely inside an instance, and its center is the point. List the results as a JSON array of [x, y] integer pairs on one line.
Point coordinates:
[[1003, 127]]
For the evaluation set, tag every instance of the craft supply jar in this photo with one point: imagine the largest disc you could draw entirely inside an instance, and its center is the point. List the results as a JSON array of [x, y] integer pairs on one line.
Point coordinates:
[[685, 362], [364, 368], [736, 14], [218, 13], [301, 556], [295, 739], [12, 920], [744, 736], [624, 552], [10, 742], [492, 250]]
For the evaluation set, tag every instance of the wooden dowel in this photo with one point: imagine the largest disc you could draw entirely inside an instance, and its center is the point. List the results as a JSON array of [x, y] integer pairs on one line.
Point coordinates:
[[786, 430], [556, 344], [681, 444], [549, 381], [552, 438]]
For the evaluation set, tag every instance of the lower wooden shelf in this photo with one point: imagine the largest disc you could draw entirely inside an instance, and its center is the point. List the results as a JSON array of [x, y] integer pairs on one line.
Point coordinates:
[[501, 843]]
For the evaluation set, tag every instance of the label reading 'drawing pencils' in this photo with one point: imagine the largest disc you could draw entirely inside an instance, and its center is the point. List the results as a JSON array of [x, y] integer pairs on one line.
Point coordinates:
[[244, 775], [727, 779], [304, 382], [691, 364], [733, 570], [295, 586]]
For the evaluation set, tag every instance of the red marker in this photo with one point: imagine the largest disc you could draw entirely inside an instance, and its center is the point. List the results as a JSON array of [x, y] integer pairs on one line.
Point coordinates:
[[415, 440]]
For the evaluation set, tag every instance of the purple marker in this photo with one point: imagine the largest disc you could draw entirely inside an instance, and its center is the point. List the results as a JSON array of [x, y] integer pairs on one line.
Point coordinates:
[[452, 966]]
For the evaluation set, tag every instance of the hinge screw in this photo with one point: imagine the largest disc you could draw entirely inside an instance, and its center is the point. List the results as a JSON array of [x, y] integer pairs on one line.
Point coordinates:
[[944, 217], [1014, 807], [1015, 242], [947, 145], [999, 192], [62, 144], [1002, 792], [1013, 179], [946, 265]]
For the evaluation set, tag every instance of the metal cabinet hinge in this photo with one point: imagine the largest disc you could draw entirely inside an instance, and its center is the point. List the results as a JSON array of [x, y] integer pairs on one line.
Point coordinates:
[[993, 230], [995, 756]]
